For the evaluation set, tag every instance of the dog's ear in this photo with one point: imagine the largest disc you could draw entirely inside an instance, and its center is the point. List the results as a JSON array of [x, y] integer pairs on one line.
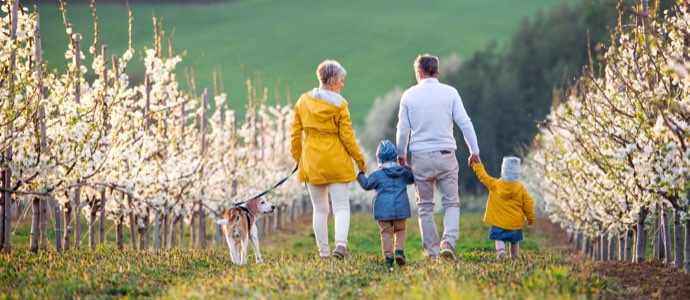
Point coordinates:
[[253, 206]]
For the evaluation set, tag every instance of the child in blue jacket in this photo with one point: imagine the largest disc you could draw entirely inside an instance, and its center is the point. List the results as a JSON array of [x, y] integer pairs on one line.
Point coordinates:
[[391, 204]]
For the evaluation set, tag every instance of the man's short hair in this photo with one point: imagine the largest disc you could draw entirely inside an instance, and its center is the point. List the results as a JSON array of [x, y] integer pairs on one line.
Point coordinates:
[[426, 63], [329, 71]]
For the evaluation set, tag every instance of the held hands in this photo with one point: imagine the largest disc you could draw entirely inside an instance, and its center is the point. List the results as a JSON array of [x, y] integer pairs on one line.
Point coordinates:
[[402, 161], [473, 159]]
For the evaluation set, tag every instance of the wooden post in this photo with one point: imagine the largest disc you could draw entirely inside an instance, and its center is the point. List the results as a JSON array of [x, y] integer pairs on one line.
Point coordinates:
[[7, 172]]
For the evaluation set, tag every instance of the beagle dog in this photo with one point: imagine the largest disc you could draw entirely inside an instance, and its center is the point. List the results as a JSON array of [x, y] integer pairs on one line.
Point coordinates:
[[239, 227]]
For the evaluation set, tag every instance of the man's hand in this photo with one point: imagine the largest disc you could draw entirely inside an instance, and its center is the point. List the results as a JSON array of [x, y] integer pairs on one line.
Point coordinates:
[[473, 159], [402, 161], [363, 170]]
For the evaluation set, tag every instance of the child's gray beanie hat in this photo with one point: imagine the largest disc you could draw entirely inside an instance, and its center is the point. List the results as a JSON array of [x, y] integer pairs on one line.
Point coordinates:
[[510, 169]]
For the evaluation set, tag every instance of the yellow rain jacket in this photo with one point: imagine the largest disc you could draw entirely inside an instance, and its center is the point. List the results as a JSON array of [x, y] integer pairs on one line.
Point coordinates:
[[329, 143], [509, 202]]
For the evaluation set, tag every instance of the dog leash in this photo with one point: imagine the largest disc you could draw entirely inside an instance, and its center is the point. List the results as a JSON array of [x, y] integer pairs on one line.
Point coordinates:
[[277, 184]]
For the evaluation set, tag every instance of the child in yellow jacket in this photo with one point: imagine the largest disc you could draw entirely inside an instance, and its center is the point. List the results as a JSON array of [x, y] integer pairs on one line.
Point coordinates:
[[508, 205]]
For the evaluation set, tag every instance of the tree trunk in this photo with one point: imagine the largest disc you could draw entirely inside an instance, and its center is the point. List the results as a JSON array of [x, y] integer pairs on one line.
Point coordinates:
[[102, 206], [612, 247], [77, 218], [35, 217], [58, 224], [92, 225], [667, 239], [621, 246], [202, 227], [157, 232], [657, 249], [192, 228], [604, 247], [44, 223], [687, 247], [578, 240], [641, 245], [147, 241], [686, 259], [173, 232], [68, 229], [142, 237], [629, 238], [133, 229], [678, 235], [6, 245], [583, 250], [166, 225], [181, 220]]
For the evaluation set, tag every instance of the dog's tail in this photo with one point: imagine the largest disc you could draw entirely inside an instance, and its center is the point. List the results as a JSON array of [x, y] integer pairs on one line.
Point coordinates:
[[222, 222]]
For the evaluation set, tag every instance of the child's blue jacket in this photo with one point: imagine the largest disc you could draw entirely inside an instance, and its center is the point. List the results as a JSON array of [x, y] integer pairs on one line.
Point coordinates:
[[391, 201]]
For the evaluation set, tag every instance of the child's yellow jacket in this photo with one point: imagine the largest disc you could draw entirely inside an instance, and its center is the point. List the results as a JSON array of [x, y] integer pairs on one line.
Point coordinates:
[[509, 202]]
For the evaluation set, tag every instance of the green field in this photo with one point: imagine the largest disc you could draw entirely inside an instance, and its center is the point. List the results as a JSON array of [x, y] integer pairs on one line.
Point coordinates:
[[293, 270], [279, 43]]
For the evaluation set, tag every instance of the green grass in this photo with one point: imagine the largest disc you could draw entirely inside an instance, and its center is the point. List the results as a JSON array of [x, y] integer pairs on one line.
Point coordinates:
[[280, 43], [293, 270]]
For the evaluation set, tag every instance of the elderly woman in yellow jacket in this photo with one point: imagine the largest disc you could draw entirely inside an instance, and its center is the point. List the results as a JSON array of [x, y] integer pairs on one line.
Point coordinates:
[[325, 154], [508, 206]]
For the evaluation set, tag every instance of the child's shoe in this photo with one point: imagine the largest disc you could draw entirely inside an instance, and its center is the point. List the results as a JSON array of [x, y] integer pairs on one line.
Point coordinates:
[[502, 255], [400, 257], [389, 262]]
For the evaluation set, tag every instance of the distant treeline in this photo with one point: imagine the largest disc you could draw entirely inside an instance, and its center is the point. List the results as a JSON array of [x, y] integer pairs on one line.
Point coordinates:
[[508, 92]]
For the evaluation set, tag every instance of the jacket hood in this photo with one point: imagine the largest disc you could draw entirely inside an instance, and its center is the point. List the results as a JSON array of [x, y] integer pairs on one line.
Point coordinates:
[[322, 110], [395, 171], [508, 189]]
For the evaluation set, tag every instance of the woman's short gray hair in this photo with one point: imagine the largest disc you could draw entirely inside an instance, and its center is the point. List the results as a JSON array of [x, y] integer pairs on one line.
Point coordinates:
[[329, 71]]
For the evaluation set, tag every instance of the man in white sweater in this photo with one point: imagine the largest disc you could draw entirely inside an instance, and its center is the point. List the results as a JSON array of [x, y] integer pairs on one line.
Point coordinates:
[[427, 113]]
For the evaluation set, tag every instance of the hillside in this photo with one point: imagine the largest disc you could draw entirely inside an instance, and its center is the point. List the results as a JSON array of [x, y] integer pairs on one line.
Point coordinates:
[[279, 43]]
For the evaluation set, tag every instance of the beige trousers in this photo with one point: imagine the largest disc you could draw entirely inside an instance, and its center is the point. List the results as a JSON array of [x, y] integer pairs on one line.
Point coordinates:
[[430, 170]]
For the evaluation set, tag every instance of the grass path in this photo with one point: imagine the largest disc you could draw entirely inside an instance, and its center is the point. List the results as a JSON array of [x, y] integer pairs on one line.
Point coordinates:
[[291, 269]]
